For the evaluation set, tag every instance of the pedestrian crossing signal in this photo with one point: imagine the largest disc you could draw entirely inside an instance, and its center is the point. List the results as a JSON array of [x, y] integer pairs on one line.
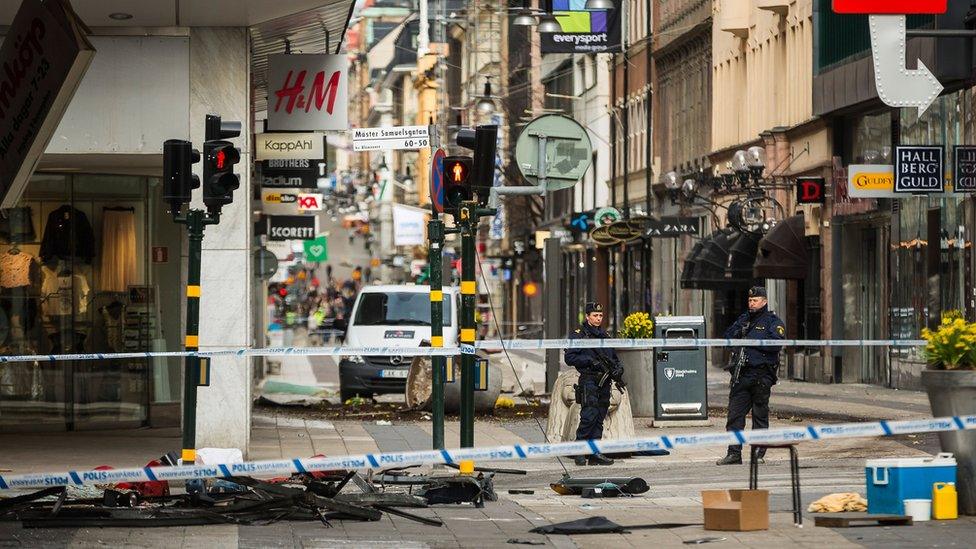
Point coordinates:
[[457, 170]]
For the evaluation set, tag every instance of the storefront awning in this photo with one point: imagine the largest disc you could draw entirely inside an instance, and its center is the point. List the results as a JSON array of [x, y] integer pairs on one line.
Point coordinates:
[[691, 264], [783, 251], [710, 267], [742, 256]]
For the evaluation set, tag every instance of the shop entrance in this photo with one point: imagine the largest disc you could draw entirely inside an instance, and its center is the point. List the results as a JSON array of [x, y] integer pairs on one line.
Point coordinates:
[[77, 275]]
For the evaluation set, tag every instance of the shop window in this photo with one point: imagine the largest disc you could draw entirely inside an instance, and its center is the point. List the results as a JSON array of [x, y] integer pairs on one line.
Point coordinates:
[[77, 276]]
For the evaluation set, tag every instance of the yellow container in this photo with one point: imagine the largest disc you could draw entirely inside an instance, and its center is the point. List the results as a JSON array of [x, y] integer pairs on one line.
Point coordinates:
[[944, 501]]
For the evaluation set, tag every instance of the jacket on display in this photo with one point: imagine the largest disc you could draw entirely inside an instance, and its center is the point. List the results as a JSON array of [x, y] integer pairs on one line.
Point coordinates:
[[67, 234]]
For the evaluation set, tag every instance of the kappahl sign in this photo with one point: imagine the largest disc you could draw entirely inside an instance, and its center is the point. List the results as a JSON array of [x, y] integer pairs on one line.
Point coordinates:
[[308, 92], [289, 146]]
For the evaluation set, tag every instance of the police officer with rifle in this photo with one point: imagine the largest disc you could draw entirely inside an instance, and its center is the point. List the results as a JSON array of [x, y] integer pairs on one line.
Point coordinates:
[[597, 369], [753, 369]]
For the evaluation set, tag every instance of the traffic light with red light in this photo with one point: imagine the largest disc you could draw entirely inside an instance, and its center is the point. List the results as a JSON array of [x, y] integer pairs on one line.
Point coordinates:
[[483, 141], [178, 177], [219, 179], [219, 159], [457, 188]]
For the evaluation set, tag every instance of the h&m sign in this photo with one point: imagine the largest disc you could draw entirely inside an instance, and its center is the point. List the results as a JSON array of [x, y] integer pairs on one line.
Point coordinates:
[[308, 92]]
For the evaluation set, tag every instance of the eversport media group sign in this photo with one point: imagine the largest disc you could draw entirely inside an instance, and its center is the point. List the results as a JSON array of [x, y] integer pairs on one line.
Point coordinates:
[[583, 31]]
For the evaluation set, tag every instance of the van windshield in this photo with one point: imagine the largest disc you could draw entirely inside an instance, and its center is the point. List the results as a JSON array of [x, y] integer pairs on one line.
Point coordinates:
[[397, 309]]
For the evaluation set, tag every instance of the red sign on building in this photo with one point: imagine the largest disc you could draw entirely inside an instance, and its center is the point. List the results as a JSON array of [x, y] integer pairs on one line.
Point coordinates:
[[889, 7], [810, 190]]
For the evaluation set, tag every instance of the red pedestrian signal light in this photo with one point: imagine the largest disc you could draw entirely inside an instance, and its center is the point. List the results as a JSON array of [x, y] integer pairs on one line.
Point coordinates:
[[221, 156], [457, 171], [219, 179]]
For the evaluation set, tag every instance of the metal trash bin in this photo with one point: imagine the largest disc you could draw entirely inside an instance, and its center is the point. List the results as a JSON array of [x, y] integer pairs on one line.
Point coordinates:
[[680, 381]]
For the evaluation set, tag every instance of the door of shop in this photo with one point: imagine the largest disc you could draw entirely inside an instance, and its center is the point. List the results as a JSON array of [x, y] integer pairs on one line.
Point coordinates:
[[869, 303]]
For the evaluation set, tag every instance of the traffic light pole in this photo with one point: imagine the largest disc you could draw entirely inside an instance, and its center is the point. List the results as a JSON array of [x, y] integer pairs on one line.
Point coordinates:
[[435, 231], [468, 223], [195, 221]]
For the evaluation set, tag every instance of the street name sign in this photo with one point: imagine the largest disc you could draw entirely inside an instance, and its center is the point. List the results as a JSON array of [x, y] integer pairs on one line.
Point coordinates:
[[292, 227], [308, 92], [964, 175], [566, 154], [919, 169], [397, 138], [871, 181], [42, 61]]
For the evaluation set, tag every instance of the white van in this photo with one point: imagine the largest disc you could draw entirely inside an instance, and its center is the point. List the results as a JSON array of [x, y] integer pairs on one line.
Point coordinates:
[[390, 316]]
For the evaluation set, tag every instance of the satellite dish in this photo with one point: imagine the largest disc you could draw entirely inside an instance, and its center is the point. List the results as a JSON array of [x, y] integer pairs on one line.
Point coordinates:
[[568, 151]]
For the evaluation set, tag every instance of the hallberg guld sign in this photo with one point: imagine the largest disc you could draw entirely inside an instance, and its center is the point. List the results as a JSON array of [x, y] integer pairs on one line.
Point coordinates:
[[44, 56]]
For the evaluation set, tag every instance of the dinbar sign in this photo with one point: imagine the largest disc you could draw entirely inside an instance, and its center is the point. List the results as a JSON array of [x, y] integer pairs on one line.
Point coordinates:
[[919, 169], [44, 56], [964, 176], [291, 227]]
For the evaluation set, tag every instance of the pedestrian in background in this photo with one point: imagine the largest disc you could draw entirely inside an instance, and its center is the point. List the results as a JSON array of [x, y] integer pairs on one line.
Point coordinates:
[[753, 369], [593, 397]]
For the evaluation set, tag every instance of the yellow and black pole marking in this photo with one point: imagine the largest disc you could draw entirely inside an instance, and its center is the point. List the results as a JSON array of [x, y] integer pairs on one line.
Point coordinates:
[[192, 372], [435, 230], [468, 289]]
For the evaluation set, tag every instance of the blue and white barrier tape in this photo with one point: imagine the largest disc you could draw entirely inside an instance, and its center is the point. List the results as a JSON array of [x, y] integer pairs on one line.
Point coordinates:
[[515, 452], [495, 344]]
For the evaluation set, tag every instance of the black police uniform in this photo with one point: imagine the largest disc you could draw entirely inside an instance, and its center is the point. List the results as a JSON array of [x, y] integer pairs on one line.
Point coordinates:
[[593, 398], [758, 373]]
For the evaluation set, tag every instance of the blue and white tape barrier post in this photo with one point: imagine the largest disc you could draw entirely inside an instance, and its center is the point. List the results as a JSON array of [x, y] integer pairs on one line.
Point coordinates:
[[515, 452], [488, 345]]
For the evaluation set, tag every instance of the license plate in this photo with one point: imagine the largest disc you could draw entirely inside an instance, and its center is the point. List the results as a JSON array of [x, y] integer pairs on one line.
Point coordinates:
[[394, 373]]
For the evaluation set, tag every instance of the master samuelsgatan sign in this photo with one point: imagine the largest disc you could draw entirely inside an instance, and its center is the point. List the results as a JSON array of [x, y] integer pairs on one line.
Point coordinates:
[[44, 56]]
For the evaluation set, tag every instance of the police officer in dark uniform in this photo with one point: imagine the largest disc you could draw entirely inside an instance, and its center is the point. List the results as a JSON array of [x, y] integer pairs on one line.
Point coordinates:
[[593, 397], [753, 369]]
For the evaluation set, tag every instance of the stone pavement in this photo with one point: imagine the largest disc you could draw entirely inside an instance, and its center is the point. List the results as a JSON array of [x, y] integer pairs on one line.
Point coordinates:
[[670, 512]]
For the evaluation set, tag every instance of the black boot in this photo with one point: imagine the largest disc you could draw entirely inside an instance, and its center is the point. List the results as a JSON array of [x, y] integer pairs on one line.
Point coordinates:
[[579, 460], [730, 459], [600, 459]]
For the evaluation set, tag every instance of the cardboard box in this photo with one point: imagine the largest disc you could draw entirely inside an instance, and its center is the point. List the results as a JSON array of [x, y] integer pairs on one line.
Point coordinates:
[[736, 510]]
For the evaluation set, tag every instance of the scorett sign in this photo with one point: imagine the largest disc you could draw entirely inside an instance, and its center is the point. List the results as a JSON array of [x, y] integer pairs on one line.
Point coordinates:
[[44, 56], [292, 227]]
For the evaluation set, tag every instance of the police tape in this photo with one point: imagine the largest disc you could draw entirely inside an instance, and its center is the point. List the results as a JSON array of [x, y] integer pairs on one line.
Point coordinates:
[[486, 345], [515, 452]]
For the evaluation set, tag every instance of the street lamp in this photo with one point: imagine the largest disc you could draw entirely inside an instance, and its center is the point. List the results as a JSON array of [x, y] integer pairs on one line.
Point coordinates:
[[672, 184], [740, 165], [599, 5], [689, 187], [485, 104], [524, 19], [548, 23], [755, 158]]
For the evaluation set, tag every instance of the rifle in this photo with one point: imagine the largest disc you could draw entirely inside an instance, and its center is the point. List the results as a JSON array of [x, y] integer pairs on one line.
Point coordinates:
[[737, 362], [611, 371]]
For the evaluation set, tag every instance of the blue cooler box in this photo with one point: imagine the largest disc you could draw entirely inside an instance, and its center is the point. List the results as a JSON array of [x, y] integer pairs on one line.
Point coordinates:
[[891, 481]]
